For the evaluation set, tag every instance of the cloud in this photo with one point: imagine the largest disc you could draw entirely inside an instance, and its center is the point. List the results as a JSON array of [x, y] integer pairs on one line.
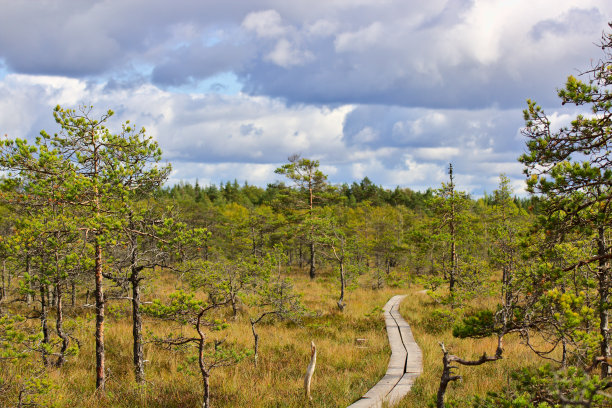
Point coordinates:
[[266, 24], [389, 89], [360, 40], [286, 54], [466, 54], [574, 20], [437, 153]]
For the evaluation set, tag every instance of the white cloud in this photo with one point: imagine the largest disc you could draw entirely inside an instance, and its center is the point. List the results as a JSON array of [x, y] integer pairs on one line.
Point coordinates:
[[321, 28], [190, 128], [213, 173], [286, 54], [266, 24], [361, 39], [437, 153]]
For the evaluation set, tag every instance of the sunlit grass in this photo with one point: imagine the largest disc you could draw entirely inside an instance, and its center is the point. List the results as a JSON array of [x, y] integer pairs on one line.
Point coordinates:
[[344, 370], [476, 380]]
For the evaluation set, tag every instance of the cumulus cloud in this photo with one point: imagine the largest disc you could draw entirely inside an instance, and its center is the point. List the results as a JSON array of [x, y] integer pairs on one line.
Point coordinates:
[[436, 55], [286, 54], [213, 137], [266, 24], [387, 89]]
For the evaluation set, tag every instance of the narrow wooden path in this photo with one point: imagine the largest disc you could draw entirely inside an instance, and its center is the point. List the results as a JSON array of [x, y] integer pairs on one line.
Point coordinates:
[[405, 364]]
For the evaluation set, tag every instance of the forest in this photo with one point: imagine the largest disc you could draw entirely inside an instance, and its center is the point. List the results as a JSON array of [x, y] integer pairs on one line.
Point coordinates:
[[119, 290]]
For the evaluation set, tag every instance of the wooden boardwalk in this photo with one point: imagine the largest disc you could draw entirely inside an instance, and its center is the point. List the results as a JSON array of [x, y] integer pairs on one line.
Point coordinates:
[[405, 364]]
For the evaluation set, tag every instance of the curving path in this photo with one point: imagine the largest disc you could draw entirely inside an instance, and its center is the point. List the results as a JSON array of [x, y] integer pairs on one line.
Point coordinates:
[[405, 364]]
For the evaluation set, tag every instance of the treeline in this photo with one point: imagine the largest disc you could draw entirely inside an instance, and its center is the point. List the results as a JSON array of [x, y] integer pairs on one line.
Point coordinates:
[[348, 195], [249, 195]]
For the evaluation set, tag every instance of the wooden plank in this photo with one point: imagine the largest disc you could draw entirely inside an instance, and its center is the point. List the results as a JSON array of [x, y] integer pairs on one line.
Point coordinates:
[[405, 362]]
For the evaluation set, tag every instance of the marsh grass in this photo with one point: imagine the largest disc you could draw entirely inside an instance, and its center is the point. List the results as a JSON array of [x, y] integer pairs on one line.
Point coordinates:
[[417, 309], [345, 369]]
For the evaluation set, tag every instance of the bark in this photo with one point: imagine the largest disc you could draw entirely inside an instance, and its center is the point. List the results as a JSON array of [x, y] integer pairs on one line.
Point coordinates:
[[446, 378], [234, 302], [99, 291], [100, 357], [137, 327], [312, 260], [447, 374], [29, 272], [73, 293], [206, 392], [453, 255], [301, 256], [43, 322], [203, 369], [340, 302], [53, 294], [604, 299], [310, 370], [452, 227], [59, 326], [255, 342]]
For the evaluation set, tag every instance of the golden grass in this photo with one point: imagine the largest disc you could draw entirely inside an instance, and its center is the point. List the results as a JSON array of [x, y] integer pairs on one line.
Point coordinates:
[[344, 371], [476, 380]]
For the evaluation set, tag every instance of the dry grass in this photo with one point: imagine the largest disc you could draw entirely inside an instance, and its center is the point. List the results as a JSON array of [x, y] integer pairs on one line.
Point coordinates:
[[344, 371], [476, 380]]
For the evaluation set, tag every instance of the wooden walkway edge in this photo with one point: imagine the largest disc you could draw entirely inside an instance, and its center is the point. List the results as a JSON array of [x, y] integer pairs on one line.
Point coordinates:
[[405, 364]]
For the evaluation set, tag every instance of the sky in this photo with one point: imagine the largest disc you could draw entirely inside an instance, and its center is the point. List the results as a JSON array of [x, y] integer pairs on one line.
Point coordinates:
[[389, 89]]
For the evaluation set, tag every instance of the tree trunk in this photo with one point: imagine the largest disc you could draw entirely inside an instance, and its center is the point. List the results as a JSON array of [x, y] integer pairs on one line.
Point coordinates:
[[453, 268], [137, 328], [312, 260], [43, 322], [604, 305], [234, 302], [310, 370], [255, 343], [341, 303], [206, 393], [446, 378], [53, 293], [29, 273], [59, 326], [73, 293], [452, 227], [100, 357], [203, 371], [301, 256]]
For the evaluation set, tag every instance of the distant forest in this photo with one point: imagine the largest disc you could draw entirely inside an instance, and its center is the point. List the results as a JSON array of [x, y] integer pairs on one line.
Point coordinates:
[[345, 194]]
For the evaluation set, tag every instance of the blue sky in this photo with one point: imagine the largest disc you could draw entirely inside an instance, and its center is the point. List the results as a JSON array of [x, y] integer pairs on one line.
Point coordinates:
[[389, 89]]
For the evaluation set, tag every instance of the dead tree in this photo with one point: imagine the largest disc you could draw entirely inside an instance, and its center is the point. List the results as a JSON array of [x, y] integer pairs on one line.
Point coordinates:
[[310, 370], [447, 373]]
